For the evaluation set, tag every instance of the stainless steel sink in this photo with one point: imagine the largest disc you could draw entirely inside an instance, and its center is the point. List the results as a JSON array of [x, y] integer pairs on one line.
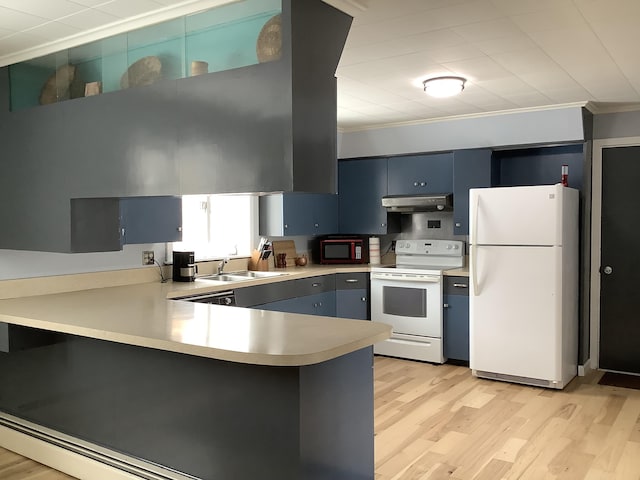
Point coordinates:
[[240, 276]]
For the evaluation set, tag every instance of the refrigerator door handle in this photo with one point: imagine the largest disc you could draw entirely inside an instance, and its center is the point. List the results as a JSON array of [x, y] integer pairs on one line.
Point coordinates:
[[474, 248]]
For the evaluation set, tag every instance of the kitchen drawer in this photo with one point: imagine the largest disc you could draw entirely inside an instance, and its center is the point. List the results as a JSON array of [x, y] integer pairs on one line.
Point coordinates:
[[456, 286], [352, 281], [428, 351], [274, 292]]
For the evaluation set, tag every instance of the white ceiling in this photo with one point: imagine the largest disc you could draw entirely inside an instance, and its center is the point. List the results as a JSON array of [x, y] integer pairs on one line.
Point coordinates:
[[515, 53]]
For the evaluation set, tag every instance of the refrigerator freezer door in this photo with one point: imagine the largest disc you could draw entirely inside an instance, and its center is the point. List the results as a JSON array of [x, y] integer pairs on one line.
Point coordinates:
[[515, 311], [516, 215]]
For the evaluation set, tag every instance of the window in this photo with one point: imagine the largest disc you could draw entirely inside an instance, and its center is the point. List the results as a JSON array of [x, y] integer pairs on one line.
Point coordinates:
[[218, 226]]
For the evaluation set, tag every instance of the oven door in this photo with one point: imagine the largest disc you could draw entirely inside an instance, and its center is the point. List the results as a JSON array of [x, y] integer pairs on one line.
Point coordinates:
[[410, 303]]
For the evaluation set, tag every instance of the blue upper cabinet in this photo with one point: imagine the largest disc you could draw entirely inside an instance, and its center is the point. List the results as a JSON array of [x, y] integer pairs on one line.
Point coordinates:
[[151, 219], [419, 174], [471, 169], [541, 165], [361, 185], [298, 214]]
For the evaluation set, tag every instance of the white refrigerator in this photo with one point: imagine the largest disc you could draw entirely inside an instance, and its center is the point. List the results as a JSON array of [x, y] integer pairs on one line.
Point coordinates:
[[523, 268]]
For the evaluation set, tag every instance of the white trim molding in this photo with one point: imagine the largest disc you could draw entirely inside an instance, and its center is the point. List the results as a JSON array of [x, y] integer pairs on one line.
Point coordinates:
[[596, 230]]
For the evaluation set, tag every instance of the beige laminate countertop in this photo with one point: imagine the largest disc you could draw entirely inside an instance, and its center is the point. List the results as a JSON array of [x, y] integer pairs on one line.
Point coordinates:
[[457, 272], [143, 315]]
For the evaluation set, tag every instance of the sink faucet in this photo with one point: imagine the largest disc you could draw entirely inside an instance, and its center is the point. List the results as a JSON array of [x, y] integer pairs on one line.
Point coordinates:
[[221, 265]]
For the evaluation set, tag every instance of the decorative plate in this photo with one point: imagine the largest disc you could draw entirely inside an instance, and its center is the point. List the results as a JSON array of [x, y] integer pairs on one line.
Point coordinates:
[[145, 71], [57, 86], [269, 44]]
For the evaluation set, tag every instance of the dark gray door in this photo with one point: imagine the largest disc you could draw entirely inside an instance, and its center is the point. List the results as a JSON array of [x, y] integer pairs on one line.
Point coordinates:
[[620, 265]]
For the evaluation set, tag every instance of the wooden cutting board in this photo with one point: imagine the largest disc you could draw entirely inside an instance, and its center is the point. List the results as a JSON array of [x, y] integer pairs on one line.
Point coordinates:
[[285, 246]]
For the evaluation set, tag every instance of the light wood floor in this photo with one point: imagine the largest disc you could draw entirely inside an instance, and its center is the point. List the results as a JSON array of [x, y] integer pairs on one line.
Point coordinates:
[[438, 422]]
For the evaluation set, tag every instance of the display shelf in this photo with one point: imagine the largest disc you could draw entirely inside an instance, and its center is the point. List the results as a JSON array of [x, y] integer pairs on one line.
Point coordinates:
[[219, 39]]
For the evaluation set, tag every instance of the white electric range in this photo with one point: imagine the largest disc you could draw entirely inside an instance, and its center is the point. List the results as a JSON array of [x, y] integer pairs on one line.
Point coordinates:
[[408, 296]]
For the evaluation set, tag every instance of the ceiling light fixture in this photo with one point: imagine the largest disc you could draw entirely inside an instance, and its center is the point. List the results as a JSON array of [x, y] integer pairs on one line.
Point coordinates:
[[444, 86]]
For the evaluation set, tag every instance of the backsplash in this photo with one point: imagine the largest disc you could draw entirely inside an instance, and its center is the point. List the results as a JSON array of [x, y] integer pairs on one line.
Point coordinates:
[[436, 225], [416, 225], [16, 264]]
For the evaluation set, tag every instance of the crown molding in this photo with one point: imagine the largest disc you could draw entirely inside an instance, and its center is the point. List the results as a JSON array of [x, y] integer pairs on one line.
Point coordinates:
[[459, 117], [601, 108]]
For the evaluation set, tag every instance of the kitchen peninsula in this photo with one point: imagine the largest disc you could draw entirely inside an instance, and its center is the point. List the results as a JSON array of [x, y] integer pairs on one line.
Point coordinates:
[[165, 388]]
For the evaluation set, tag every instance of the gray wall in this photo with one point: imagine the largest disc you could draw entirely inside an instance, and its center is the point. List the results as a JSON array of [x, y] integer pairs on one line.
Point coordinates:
[[506, 129], [616, 125]]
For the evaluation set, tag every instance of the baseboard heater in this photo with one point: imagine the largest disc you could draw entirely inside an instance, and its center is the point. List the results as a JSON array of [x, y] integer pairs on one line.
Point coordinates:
[[130, 465]]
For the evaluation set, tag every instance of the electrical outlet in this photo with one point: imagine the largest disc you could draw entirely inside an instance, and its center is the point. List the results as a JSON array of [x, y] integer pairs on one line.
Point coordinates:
[[148, 257]]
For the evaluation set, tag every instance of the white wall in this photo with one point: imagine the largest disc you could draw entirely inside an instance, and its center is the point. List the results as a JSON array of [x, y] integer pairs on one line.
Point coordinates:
[[21, 264]]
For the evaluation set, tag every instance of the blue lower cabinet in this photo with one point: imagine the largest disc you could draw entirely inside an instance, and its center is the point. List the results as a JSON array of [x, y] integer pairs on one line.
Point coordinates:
[[456, 327], [352, 304], [323, 304]]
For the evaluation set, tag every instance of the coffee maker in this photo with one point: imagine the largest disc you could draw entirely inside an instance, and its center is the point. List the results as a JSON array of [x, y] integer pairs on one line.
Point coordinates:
[[184, 267]]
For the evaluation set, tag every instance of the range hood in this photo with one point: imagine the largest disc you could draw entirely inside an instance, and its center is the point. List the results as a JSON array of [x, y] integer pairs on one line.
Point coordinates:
[[439, 202]]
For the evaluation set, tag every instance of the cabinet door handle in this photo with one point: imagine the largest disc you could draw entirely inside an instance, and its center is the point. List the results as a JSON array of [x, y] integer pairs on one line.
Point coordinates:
[[316, 225], [461, 285], [179, 229], [446, 305], [458, 224], [351, 280], [316, 284], [363, 299], [422, 184], [415, 184]]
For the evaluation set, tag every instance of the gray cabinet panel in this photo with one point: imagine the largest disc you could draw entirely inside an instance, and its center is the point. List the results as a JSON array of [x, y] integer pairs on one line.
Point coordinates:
[[95, 225]]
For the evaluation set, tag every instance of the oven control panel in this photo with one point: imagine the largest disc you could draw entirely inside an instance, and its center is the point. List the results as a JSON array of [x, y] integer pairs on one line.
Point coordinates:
[[453, 248]]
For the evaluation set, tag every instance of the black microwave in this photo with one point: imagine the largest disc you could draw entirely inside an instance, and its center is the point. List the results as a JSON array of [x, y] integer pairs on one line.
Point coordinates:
[[337, 249]]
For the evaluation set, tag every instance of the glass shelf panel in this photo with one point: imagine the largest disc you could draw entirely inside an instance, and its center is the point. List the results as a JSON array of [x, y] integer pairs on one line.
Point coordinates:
[[219, 39]]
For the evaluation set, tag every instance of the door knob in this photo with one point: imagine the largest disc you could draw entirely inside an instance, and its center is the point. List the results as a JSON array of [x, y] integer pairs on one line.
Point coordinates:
[[607, 270]]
